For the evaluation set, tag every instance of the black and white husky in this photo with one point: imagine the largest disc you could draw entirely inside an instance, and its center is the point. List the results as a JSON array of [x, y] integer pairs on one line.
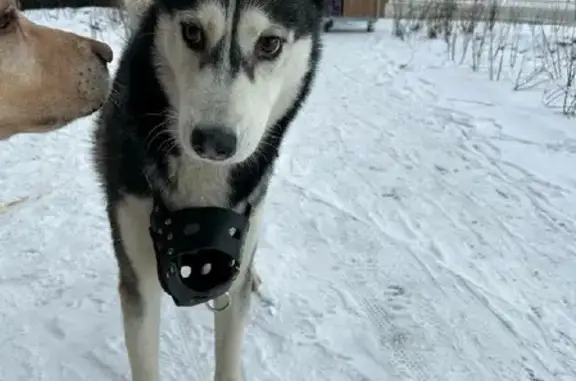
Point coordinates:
[[204, 94]]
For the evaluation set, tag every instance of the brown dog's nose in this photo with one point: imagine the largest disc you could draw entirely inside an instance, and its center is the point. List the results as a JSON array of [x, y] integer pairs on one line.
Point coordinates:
[[102, 51]]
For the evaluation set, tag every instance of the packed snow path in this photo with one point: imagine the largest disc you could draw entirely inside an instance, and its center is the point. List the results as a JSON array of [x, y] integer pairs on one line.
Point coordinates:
[[420, 228]]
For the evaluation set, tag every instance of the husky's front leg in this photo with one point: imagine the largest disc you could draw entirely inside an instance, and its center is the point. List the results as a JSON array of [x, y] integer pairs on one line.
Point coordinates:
[[229, 324], [141, 316], [140, 292], [229, 327]]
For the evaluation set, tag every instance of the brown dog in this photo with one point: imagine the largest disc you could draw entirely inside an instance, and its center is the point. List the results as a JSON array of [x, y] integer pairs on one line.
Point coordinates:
[[48, 77]]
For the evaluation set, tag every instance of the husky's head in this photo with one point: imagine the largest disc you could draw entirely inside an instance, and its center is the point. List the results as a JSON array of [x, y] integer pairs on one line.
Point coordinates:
[[231, 69]]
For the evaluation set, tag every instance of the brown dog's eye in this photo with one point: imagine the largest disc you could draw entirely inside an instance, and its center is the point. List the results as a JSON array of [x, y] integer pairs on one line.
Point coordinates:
[[269, 47], [194, 36], [7, 18]]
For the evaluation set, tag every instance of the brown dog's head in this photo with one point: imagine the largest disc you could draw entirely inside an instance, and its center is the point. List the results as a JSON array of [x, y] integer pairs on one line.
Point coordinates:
[[48, 77]]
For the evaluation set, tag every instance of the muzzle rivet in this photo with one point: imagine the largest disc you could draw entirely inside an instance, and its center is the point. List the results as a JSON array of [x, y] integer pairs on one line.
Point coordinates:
[[172, 270], [169, 236], [168, 221]]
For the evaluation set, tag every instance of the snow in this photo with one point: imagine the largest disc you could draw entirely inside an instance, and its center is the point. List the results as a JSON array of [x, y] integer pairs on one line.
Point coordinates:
[[420, 228]]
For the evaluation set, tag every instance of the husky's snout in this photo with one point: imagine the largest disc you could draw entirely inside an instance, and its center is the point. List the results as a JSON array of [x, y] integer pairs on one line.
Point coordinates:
[[214, 142]]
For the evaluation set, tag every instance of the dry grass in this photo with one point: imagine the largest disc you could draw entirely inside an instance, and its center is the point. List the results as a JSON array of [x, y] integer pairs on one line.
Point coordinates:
[[534, 47]]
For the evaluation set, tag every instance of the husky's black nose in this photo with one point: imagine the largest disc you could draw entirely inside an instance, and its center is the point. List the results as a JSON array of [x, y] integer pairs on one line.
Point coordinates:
[[214, 142]]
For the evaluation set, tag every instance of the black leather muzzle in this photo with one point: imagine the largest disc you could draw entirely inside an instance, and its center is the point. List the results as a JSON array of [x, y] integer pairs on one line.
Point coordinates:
[[198, 250]]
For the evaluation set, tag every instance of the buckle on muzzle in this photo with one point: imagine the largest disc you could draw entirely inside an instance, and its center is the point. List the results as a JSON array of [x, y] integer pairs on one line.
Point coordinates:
[[198, 251]]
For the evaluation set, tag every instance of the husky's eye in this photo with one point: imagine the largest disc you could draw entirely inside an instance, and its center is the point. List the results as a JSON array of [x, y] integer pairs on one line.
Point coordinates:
[[193, 35], [269, 47]]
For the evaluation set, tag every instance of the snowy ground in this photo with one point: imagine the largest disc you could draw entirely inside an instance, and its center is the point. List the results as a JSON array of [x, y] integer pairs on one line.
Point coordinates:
[[420, 228]]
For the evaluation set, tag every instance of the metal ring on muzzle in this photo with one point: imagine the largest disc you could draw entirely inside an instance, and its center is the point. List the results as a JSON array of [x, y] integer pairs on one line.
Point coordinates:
[[198, 251]]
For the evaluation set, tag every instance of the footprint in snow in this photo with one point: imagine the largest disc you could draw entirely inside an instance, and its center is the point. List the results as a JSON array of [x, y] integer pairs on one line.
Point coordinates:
[[529, 371], [532, 376], [397, 299]]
